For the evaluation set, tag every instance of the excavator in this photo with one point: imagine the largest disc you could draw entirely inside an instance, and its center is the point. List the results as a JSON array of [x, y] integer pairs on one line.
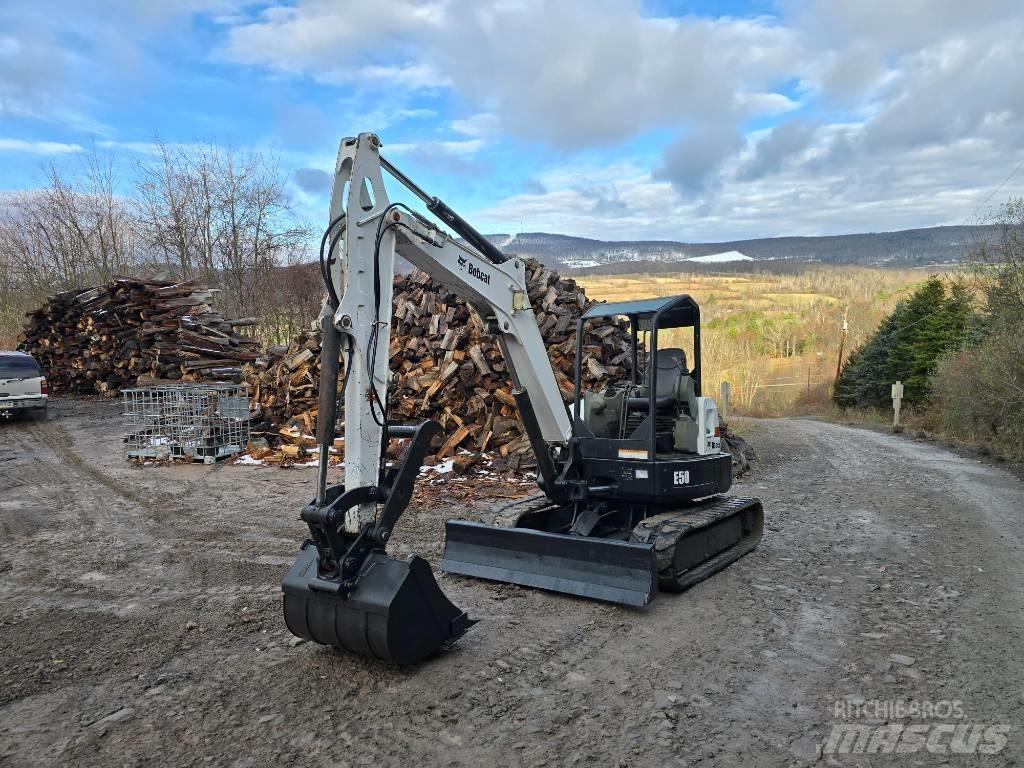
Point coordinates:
[[632, 477]]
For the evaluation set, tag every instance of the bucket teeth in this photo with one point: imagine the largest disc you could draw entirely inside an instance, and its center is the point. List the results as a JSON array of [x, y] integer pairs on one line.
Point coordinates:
[[396, 612]]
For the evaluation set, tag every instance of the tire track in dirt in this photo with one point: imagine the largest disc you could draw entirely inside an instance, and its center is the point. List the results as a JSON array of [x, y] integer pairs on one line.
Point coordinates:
[[743, 669], [135, 555]]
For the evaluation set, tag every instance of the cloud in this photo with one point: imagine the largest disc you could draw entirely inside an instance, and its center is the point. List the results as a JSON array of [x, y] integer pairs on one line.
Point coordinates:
[[605, 200], [60, 59], [781, 143], [313, 180], [602, 115], [480, 125], [691, 161], [859, 94], [39, 147], [831, 187], [459, 148], [387, 114], [340, 43], [954, 89], [618, 73], [450, 158], [32, 70]]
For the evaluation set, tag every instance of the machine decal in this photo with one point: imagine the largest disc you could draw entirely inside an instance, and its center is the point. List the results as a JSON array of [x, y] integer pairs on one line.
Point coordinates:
[[681, 477], [633, 453], [474, 270]]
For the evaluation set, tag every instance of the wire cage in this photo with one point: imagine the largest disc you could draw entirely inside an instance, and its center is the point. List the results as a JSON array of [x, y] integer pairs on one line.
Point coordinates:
[[199, 422]]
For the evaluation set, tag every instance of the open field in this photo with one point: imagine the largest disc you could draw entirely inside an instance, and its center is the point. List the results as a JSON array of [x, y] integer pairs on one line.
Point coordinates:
[[140, 620], [774, 336]]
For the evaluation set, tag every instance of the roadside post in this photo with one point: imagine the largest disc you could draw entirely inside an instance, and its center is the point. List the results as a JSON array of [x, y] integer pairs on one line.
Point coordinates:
[[897, 402], [723, 404]]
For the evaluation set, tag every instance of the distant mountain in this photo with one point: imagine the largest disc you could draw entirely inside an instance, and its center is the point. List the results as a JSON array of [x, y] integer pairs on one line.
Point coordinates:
[[910, 247]]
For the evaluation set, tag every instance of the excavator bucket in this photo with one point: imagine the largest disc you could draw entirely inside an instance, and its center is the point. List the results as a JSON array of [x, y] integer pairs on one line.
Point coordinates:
[[602, 569], [396, 612]]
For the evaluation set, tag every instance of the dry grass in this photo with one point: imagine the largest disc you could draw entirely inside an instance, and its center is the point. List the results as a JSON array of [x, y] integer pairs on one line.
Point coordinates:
[[773, 336]]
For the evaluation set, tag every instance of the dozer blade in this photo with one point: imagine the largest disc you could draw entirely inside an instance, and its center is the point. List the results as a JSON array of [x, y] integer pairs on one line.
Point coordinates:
[[396, 612], [603, 569]]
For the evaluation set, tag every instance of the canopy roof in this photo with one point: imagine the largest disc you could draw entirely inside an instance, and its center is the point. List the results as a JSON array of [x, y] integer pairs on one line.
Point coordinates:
[[673, 311]]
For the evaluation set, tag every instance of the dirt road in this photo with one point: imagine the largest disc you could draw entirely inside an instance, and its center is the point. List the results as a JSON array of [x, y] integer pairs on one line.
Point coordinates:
[[140, 622]]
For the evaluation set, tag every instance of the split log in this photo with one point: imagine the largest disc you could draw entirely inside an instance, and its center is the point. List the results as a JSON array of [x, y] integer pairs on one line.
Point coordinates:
[[131, 332]]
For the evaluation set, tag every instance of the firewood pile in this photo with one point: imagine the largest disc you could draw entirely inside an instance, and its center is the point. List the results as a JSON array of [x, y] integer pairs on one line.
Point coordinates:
[[132, 332], [445, 369]]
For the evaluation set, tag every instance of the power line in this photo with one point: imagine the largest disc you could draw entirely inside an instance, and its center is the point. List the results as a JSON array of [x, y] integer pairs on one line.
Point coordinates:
[[993, 192], [911, 325]]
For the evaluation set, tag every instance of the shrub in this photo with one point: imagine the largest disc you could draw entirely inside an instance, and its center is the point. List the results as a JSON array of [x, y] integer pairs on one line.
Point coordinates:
[[978, 393]]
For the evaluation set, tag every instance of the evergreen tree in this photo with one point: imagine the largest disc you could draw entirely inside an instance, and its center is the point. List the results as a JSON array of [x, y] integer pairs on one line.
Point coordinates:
[[917, 342], [907, 346], [846, 393]]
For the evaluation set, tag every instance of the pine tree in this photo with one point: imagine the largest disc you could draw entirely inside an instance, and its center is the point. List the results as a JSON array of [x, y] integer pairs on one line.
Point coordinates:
[[845, 394], [907, 346], [918, 341]]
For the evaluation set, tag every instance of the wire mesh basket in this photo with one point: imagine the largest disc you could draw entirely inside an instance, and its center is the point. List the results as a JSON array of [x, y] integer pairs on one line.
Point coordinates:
[[199, 422]]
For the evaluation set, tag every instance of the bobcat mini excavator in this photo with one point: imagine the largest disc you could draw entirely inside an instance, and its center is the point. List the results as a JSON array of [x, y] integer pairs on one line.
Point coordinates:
[[631, 477]]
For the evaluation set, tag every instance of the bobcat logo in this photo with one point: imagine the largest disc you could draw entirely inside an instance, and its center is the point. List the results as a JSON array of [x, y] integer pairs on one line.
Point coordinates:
[[474, 270]]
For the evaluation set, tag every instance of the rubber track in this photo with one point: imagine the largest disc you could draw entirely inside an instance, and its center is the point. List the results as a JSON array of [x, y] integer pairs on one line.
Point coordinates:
[[509, 514], [668, 528]]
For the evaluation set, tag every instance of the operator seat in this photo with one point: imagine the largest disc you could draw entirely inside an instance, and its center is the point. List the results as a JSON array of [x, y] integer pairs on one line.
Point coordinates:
[[672, 370]]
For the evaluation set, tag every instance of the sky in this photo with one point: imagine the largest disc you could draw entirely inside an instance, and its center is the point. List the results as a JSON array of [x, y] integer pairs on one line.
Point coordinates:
[[693, 121]]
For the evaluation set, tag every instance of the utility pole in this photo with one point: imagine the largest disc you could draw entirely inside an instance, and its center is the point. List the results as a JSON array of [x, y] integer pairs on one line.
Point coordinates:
[[842, 343]]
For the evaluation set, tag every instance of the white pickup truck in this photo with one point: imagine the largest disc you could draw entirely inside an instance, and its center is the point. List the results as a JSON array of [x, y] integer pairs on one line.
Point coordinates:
[[22, 386]]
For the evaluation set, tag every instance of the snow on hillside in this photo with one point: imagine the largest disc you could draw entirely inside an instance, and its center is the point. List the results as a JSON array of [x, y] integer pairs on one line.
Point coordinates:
[[715, 258]]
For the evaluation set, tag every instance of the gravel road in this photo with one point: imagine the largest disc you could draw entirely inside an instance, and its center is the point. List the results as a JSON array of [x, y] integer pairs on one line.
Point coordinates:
[[140, 623]]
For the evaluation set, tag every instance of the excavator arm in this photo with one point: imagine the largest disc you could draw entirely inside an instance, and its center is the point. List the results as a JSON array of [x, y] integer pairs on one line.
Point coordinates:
[[493, 285], [344, 590]]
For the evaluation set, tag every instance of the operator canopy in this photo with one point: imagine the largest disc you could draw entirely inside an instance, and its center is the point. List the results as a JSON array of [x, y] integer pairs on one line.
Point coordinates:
[[672, 311]]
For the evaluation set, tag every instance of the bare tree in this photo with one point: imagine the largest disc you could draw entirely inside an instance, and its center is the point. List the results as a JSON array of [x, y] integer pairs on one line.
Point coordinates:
[[292, 303], [176, 209], [997, 265], [73, 231], [205, 213], [219, 216]]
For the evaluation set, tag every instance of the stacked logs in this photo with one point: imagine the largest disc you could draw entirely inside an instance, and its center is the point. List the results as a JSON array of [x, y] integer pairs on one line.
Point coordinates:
[[445, 368], [132, 332]]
